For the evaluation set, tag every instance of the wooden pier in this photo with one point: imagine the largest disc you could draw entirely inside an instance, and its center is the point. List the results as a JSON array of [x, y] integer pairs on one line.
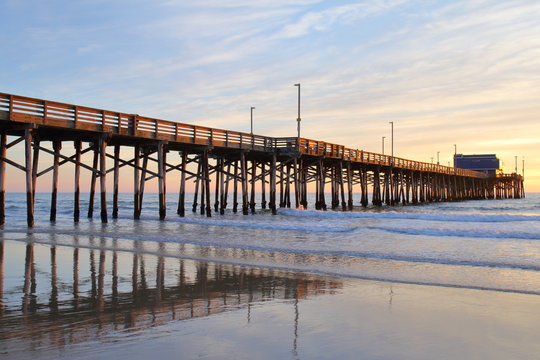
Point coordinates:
[[221, 164]]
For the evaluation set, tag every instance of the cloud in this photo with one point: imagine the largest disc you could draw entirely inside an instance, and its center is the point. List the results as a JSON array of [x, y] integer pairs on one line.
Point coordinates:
[[325, 19]]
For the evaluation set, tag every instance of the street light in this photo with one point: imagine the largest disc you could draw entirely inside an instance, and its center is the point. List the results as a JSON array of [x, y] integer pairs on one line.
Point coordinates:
[[438, 152], [392, 142], [252, 108], [384, 137], [298, 119], [455, 154]]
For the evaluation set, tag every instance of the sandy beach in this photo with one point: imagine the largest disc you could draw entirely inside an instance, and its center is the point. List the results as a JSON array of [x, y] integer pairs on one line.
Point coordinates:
[[95, 304]]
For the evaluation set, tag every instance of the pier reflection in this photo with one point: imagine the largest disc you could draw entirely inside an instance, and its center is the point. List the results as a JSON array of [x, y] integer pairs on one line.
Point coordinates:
[[76, 294]]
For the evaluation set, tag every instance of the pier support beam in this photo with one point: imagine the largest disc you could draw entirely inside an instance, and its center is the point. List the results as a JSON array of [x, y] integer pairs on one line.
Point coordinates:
[[273, 175], [57, 145], [76, 186], [207, 183], [93, 183], [161, 180], [136, 181], [29, 188], [103, 178], [116, 176], [244, 175], [253, 184], [235, 188], [3, 143], [182, 193]]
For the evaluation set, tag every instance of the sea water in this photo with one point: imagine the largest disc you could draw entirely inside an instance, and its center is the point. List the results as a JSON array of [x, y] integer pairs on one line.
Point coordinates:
[[485, 244], [270, 284]]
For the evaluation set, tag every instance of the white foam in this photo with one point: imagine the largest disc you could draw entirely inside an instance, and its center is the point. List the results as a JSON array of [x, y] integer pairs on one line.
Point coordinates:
[[427, 216], [460, 233], [250, 224]]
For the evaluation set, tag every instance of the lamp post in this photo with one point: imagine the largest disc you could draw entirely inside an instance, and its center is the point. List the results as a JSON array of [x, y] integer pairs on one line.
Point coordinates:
[[392, 141], [298, 119], [384, 137], [516, 162], [523, 168], [455, 154], [252, 108], [438, 152]]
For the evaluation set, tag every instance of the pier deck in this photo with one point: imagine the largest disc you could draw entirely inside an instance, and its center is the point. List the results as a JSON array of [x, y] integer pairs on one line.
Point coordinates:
[[248, 161]]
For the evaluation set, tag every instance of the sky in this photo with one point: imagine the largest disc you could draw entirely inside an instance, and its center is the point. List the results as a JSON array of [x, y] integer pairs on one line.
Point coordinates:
[[445, 72]]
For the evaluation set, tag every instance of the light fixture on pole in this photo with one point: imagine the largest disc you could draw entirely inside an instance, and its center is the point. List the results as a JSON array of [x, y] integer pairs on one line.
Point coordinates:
[[455, 154], [384, 137], [392, 141], [298, 119], [438, 152], [516, 163], [252, 108], [523, 167]]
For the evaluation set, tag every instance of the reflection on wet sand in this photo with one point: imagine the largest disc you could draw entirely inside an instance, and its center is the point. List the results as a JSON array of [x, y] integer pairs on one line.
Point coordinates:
[[108, 290]]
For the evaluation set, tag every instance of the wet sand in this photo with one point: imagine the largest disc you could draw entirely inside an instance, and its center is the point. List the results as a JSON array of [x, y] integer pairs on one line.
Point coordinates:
[[81, 303]]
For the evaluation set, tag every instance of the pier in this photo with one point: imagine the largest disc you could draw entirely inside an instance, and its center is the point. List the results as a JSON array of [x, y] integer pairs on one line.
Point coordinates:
[[225, 166]]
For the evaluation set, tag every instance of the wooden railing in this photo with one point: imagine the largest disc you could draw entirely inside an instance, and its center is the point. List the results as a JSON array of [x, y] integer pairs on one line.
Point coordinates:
[[321, 148], [30, 110], [51, 113]]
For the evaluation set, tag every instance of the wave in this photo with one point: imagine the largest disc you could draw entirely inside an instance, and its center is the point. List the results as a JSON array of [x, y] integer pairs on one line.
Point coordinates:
[[325, 271], [350, 254], [474, 217], [460, 233], [258, 225]]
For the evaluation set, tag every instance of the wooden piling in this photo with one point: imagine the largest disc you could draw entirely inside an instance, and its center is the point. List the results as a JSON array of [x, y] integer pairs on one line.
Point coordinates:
[[142, 182], [207, 183], [3, 143], [76, 186], [57, 145], [136, 181], [253, 184], [219, 175], [93, 182], [161, 180], [296, 184], [35, 161], [116, 176], [235, 188], [224, 187], [243, 176], [349, 187], [182, 193], [263, 186], [103, 178], [273, 175], [29, 189], [342, 187], [197, 181]]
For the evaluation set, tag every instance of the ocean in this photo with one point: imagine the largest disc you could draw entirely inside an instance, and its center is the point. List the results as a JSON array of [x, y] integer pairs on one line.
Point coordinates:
[[68, 286]]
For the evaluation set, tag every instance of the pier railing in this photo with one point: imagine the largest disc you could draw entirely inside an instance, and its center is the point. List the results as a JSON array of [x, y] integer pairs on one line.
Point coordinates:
[[43, 112], [329, 150], [51, 113]]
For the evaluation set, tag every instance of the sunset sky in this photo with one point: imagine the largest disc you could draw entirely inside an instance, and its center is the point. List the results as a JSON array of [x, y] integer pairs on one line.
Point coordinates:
[[445, 72]]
